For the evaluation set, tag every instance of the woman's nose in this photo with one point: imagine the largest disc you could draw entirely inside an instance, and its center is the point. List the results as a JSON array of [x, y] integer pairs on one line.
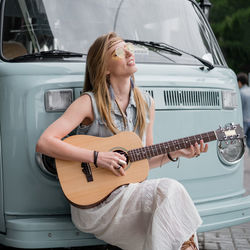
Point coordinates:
[[128, 53]]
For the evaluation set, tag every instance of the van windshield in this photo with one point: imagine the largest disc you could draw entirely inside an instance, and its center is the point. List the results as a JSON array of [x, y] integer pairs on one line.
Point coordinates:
[[33, 26]]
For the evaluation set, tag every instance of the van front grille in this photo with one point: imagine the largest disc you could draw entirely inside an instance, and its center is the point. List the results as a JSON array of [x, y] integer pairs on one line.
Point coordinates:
[[183, 98], [191, 98]]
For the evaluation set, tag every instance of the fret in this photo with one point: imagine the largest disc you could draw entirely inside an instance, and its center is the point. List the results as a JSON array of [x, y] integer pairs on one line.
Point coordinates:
[[134, 155], [212, 135], [137, 154], [191, 140], [161, 148], [159, 151], [187, 142], [198, 138], [156, 152], [171, 146], [131, 155], [206, 137], [176, 144], [182, 143], [148, 153], [166, 147], [143, 153], [150, 150]]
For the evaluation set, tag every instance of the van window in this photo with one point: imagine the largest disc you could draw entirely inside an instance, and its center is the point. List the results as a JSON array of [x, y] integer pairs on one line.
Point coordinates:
[[32, 26]]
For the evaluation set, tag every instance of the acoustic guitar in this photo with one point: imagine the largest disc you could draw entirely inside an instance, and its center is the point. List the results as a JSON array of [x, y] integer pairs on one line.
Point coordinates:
[[85, 185]]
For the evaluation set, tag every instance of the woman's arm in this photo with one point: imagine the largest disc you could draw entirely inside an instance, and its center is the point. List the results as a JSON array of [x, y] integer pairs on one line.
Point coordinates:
[[50, 142]]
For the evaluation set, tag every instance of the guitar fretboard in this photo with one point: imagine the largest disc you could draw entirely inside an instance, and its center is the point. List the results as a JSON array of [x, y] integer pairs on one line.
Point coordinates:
[[170, 146]]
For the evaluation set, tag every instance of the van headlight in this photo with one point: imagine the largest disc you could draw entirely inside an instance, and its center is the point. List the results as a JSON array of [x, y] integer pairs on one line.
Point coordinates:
[[229, 99], [230, 152], [58, 100]]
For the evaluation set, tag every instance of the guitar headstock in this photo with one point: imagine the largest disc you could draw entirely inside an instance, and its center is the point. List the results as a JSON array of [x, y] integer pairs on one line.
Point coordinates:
[[230, 132]]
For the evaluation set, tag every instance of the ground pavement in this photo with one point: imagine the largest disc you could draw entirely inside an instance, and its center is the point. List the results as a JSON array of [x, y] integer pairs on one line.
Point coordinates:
[[232, 238]]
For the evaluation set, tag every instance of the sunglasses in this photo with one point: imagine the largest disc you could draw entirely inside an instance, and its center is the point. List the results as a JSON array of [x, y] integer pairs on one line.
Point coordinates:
[[121, 51]]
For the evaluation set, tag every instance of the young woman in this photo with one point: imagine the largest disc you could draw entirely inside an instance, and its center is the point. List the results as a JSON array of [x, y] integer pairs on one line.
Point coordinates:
[[154, 214]]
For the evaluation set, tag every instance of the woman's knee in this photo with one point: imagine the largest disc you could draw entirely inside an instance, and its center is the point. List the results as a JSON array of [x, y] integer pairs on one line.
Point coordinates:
[[168, 187]]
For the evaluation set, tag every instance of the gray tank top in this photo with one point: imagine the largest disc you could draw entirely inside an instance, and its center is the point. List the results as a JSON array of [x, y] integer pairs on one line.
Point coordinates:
[[98, 126]]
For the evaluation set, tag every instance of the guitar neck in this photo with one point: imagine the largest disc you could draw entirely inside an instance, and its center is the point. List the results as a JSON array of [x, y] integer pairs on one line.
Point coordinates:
[[170, 146]]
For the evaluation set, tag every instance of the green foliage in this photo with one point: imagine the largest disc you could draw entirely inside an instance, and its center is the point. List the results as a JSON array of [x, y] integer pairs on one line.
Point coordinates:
[[230, 21]]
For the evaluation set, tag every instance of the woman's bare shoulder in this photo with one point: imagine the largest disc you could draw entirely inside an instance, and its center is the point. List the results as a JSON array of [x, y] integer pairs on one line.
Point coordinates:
[[82, 107], [82, 100]]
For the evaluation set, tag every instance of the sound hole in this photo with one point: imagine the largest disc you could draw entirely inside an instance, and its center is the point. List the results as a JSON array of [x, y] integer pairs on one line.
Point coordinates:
[[122, 153]]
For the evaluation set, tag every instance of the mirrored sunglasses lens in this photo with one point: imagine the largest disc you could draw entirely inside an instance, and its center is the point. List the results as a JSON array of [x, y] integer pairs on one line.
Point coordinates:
[[119, 52], [130, 47]]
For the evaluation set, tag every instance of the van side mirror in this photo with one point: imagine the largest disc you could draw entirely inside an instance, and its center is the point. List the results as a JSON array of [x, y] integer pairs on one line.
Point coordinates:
[[205, 6]]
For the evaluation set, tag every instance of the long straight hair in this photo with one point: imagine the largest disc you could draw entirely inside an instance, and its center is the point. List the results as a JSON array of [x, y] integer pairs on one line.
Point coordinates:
[[96, 81]]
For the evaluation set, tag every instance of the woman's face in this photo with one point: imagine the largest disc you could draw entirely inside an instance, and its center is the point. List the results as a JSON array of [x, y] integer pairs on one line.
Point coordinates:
[[121, 60]]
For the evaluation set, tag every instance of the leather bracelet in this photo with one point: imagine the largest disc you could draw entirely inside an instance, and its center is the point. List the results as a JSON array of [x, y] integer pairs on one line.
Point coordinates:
[[171, 159], [95, 158]]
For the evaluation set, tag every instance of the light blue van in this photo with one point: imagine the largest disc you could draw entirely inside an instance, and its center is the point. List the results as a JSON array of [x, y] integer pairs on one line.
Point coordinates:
[[43, 51]]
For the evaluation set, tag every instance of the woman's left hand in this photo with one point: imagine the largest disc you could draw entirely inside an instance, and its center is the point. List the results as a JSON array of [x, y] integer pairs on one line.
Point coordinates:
[[193, 151]]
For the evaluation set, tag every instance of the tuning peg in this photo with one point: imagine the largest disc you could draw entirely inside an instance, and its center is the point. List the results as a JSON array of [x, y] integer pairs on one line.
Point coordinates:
[[222, 129]]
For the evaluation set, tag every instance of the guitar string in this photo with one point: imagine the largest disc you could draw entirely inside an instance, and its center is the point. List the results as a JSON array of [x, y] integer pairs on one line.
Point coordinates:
[[153, 150]]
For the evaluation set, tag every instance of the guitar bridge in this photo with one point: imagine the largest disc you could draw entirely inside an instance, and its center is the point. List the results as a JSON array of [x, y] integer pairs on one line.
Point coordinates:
[[86, 169]]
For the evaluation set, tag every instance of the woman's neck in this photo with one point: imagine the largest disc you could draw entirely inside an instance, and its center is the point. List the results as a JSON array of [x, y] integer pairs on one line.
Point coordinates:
[[121, 88]]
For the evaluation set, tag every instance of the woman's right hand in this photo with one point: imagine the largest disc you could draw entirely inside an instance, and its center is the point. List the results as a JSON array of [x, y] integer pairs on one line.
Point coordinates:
[[112, 161]]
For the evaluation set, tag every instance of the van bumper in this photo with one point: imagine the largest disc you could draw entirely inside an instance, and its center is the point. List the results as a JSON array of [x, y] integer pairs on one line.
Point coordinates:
[[221, 214], [58, 231], [45, 232]]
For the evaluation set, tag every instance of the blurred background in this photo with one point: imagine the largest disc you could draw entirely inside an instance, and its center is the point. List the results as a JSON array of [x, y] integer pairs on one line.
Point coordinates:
[[230, 21]]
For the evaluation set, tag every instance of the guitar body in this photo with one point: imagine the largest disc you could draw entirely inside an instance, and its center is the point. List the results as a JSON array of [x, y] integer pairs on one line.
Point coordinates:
[[85, 186], [83, 193]]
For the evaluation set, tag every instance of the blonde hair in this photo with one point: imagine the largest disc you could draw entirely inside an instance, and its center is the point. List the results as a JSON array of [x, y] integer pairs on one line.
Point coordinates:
[[96, 81]]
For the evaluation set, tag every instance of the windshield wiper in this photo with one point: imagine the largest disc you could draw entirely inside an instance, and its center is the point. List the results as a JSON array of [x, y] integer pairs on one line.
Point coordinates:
[[168, 48], [156, 46], [47, 54]]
